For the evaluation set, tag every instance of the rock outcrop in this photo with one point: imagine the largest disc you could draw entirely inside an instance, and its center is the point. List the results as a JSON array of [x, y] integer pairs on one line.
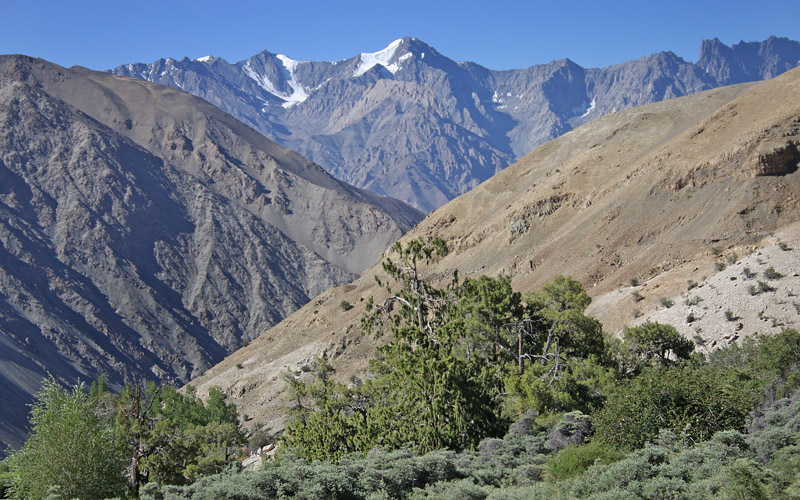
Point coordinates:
[[776, 159]]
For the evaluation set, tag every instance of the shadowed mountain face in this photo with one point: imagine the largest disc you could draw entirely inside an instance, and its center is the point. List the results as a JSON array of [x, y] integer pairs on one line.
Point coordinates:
[[145, 234], [646, 193], [410, 123]]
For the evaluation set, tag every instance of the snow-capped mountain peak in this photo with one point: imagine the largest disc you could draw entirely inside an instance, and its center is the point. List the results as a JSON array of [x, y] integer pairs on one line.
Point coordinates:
[[383, 57], [367, 118], [287, 69]]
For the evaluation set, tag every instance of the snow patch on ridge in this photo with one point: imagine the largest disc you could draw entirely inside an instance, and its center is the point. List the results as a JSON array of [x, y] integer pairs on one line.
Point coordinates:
[[298, 94], [288, 68], [382, 57], [204, 58], [262, 81], [590, 108]]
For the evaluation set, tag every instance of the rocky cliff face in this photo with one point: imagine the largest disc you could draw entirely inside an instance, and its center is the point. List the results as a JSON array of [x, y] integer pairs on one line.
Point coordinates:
[[145, 234], [411, 123], [748, 61]]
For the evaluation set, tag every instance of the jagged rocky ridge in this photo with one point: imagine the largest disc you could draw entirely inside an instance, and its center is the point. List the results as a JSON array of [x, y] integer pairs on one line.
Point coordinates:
[[411, 123], [145, 234]]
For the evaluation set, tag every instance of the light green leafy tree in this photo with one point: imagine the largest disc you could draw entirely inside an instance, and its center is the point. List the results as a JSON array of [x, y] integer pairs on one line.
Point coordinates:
[[71, 452]]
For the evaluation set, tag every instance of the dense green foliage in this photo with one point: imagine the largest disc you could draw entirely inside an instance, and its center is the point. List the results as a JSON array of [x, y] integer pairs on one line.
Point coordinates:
[[71, 451], [172, 437], [764, 463], [574, 460], [95, 444], [459, 362], [655, 342], [6, 478], [700, 397]]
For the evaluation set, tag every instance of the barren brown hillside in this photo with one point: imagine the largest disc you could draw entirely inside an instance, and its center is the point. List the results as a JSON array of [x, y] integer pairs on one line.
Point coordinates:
[[649, 193]]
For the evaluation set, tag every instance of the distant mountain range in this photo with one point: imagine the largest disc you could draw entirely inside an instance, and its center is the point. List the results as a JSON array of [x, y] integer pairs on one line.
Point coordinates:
[[145, 234], [410, 123]]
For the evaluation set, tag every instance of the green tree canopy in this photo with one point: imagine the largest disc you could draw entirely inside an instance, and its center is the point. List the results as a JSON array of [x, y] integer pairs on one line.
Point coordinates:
[[657, 342], [71, 451], [454, 357], [173, 437]]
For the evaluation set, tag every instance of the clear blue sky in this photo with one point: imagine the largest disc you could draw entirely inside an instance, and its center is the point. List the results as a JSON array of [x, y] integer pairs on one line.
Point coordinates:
[[499, 34]]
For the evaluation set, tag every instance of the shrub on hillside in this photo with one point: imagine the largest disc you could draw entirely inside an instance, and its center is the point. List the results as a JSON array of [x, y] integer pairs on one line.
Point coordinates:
[[700, 398], [686, 399], [657, 343], [574, 460]]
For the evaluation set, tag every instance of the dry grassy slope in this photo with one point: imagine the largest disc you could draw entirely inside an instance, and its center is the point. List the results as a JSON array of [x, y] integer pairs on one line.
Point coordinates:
[[641, 193]]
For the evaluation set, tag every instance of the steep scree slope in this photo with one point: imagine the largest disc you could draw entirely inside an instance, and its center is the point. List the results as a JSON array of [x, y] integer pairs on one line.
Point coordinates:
[[146, 234]]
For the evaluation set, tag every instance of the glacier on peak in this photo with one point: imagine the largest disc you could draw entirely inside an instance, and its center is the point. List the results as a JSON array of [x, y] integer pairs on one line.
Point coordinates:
[[298, 94], [204, 59], [289, 65], [382, 57]]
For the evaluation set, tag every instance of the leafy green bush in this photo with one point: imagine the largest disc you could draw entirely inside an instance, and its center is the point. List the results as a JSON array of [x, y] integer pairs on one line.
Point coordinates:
[[574, 460], [657, 342], [697, 401], [6, 479], [700, 398]]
